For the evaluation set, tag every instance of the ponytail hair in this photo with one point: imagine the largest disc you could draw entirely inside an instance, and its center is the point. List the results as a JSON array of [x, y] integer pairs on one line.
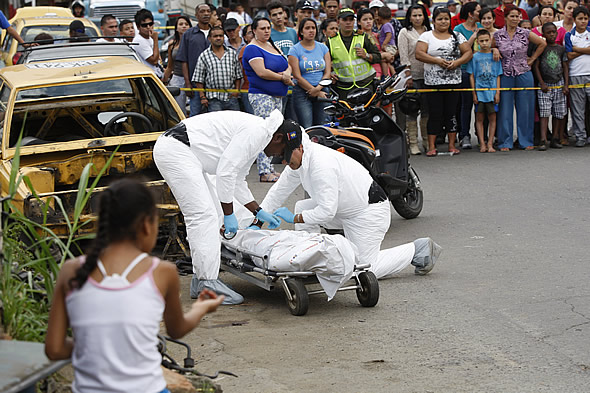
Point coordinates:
[[121, 207], [467, 9]]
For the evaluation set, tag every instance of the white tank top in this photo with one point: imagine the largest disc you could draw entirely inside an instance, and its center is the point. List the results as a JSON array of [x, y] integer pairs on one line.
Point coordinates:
[[115, 333]]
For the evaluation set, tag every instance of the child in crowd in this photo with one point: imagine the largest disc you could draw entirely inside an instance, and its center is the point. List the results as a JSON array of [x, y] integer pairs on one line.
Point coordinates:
[[114, 299], [577, 45], [551, 70], [127, 30], [386, 37], [525, 24], [485, 73]]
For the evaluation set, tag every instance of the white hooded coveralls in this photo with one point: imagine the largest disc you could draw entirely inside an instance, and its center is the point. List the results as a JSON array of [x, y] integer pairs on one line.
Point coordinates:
[[339, 190], [224, 144]]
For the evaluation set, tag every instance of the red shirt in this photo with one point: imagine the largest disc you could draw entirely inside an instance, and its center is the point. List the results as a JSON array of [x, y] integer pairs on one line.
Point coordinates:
[[500, 16], [456, 21]]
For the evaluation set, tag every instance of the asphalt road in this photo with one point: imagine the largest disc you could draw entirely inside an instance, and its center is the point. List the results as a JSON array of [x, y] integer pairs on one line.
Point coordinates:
[[507, 308]]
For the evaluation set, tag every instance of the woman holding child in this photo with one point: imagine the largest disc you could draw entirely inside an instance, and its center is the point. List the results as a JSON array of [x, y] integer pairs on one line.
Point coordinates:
[[443, 52], [513, 42]]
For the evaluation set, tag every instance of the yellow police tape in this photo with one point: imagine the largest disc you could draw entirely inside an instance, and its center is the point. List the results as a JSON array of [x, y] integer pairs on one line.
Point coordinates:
[[578, 86]]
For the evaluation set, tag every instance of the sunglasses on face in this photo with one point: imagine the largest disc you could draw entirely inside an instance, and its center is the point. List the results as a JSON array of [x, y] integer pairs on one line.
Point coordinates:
[[148, 24]]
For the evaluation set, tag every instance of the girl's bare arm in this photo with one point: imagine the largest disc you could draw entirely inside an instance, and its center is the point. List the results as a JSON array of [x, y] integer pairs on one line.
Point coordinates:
[[178, 323], [57, 344]]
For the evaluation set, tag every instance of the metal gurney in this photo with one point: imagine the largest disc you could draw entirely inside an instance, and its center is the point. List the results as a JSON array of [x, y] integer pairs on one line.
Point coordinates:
[[293, 260]]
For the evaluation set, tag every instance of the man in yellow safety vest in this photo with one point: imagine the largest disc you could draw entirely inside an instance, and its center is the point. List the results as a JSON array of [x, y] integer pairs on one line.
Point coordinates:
[[352, 55]]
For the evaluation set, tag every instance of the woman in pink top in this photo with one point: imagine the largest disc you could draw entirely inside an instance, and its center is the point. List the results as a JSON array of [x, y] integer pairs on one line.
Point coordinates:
[[546, 15], [116, 296]]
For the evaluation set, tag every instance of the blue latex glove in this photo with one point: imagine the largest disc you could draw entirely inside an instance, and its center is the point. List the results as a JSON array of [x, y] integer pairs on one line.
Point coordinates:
[[254, 227], [285, 214], [231, 223], [272, 220]]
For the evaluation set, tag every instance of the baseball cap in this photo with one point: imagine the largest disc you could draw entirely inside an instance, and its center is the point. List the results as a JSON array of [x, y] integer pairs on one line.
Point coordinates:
[[77, 26], [303, 5], [316, 5], [292, 132], [376, 3], [345, 12], [451, 2], [230, 24]]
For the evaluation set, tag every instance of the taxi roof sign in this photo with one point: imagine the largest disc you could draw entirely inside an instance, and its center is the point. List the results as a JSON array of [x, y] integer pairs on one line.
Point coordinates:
[[65, 64]]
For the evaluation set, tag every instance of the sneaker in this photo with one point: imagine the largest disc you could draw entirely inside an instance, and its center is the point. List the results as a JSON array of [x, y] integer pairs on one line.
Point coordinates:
[[217, 286], [555, 144], [580, 143], [466, 142]]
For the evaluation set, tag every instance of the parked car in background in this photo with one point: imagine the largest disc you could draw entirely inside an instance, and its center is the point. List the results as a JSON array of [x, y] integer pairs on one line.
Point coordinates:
[[96, 9], [29, 26], [75, 112], [74, 50]]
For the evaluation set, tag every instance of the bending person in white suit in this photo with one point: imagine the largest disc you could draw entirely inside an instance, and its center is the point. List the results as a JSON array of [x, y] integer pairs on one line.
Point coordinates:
[[343, 195], [224, 144]]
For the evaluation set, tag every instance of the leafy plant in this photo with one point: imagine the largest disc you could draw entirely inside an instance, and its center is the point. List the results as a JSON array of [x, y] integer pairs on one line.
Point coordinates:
[[33, 253]]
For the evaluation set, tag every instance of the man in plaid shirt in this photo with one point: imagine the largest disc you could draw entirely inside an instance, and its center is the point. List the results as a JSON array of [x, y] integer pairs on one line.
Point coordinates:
[[218, 68]]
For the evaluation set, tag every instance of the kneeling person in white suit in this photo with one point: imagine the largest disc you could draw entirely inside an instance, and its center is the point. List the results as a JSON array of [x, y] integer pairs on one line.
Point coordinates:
[[224, 144], [343, 196]]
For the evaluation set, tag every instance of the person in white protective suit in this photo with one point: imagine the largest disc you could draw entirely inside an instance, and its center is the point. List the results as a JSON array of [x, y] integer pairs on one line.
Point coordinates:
[[343, 195], [224, 144]]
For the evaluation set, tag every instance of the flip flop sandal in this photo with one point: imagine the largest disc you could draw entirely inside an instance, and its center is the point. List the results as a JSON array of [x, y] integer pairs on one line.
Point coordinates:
[[455, 151], [431, 153], [268, 178]]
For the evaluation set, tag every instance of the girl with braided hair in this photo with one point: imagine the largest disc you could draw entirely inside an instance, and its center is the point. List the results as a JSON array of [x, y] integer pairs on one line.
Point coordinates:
[[115, 297]]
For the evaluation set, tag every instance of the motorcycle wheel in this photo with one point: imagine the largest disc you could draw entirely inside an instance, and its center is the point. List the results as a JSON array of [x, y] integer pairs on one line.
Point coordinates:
[[410, 204]]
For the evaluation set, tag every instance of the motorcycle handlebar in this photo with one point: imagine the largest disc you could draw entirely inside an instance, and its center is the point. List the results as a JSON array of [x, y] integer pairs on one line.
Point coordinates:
[[387, 83]]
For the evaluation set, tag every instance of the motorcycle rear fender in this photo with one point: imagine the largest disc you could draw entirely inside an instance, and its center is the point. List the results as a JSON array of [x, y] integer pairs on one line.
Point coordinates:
[[391, 142]]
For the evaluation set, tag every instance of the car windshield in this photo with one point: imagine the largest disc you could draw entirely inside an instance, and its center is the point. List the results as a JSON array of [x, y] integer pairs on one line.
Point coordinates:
[[100, 87], [28, 33], [72, 51], [98, 109]]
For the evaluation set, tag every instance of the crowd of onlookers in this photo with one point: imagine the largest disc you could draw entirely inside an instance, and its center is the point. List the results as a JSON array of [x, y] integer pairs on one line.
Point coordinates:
[[280, 59], [276, 60]]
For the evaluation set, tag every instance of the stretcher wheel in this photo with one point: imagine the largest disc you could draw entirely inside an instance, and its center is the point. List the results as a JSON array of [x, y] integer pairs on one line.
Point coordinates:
[[300, 303], [368, 293]]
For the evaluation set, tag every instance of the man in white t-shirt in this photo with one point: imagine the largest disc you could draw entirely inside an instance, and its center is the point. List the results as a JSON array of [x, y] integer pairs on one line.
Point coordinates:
[[233, 13], [577, 46], [147, 41], [110, 29]]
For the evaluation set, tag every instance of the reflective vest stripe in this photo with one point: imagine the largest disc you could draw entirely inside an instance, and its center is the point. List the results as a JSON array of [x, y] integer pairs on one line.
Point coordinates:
[[347, 65]]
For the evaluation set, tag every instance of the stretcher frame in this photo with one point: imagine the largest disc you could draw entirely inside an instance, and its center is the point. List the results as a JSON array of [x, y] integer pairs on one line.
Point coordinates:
[[238, 261]]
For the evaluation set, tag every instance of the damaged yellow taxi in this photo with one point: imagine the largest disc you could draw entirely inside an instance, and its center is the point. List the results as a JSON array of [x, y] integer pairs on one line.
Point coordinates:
[[75, 112]]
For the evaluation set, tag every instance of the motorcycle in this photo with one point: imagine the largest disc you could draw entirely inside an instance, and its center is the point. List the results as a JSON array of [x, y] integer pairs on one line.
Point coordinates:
[[369, 135]]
